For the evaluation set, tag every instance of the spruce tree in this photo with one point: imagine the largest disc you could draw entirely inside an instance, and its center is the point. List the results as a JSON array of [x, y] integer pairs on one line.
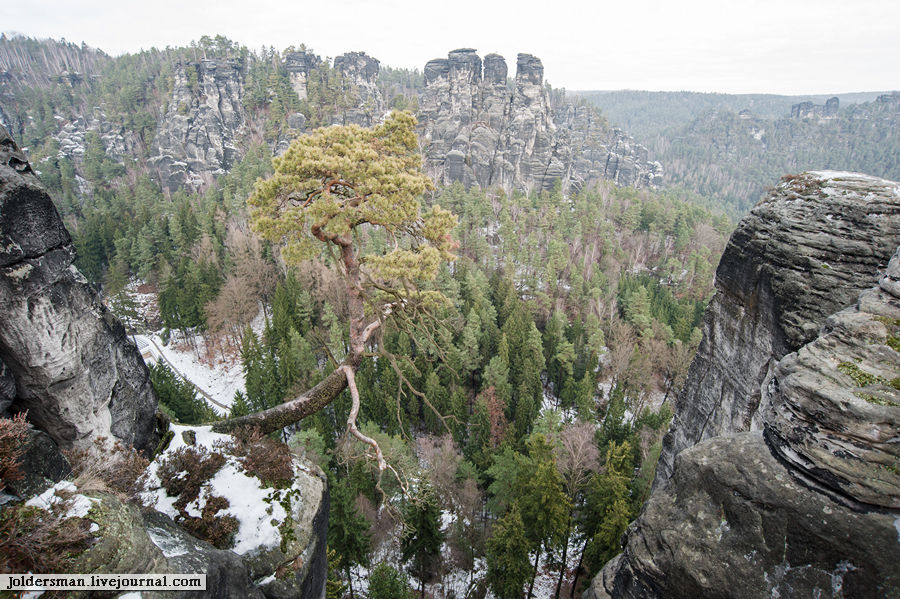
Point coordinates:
[[421, 542], [508, 567]]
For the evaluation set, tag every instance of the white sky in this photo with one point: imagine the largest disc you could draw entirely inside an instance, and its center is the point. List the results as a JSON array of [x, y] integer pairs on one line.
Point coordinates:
[[755, 46]]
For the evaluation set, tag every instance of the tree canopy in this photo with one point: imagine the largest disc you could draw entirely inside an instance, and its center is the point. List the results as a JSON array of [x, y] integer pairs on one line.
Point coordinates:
[[329, 190]]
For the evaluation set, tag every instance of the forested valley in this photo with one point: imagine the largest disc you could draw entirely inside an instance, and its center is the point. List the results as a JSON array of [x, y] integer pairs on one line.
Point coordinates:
[[524, 429], [732, 147]]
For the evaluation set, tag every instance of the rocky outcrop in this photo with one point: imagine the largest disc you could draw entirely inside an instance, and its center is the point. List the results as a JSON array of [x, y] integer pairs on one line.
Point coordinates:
[[280, 530], [735, 522], [478, 131], [298, 65], [75, 370], [806, 110], [834, 406], [360, 72], [7, 388], [805, 251], [198, 132], [808, 503]]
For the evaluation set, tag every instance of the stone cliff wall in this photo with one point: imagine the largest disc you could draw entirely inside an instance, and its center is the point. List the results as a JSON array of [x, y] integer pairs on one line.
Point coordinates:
[[197, 135], [807, 503], [804, 252], [73, 367], [360, 71], [478, 131]]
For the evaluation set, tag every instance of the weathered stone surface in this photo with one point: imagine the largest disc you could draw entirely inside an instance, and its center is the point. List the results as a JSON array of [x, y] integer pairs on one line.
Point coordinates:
[[477, 131], [197, 135], [127, 542], [304, 556], [361, 71], [282, 532], [42, 464], [7, 388], [75, 370], [226, 574], [808, 503], [834, 407], [298, 65], [735, 522], [804, 252]]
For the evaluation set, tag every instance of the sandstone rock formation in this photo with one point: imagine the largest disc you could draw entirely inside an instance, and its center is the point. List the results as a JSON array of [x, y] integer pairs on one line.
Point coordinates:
[[74, 369], [804, 252], [298, 65], [734, 522], [197, 134], [807, 504], [805, 110], [281, 532], [360, 71], [478, 131]]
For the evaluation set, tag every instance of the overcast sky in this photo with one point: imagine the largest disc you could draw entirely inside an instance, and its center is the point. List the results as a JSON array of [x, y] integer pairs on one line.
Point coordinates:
[[765, 46]]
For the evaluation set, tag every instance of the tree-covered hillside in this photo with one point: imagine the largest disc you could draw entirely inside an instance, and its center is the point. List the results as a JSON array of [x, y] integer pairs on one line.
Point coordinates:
[[731, 147]]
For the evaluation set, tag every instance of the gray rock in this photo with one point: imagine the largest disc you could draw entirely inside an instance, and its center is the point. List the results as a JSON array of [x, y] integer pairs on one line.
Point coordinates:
[[128, 542], [42, 464], [361, 72], [804, 252], [7, 388], [834, 406], [735, 522], [805, 505], [477, 131], [298, 65], [75, 370], [227, 576], [197, 134]]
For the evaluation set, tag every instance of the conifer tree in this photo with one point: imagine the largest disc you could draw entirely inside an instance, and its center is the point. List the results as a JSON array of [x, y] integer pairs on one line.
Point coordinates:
[[507, 556], [421, 542], [348, 531], [324, 187]]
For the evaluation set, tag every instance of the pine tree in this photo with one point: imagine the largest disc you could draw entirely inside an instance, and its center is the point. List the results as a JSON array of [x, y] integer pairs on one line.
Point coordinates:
[[326, 187], [385, 582], [239, 407], [544, 504]]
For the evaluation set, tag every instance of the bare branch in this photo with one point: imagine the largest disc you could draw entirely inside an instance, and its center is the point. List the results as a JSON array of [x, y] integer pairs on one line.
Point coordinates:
[[353, 430]]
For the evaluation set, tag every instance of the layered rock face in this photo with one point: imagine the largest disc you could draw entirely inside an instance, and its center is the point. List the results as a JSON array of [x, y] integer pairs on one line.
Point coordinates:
[[808, 503], [478, 131], [298, 65], [196, 135], [71, 364], [361, 71], [805, 251]]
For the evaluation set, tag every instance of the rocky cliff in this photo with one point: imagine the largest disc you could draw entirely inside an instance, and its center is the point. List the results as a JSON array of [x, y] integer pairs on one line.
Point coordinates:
[[360, 74], [71, 365], [189, 114], [198, 133], [807, 501], [802, 253], [477, 130], [67, 361]]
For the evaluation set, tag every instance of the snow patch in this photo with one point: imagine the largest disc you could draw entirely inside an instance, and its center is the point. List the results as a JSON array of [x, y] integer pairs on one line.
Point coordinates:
[[78, 505], [167, 543], [257, 509]]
